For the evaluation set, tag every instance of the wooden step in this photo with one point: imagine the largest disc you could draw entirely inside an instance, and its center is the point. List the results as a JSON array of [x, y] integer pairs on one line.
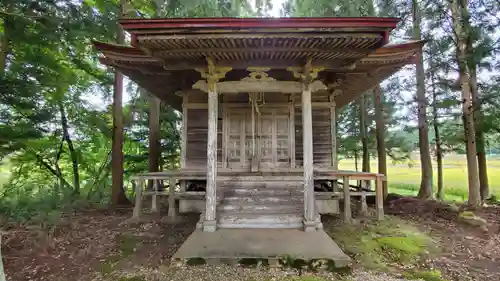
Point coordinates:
[[256, 191], [258, 199], [262, 184], [252, 220], [259, 208]]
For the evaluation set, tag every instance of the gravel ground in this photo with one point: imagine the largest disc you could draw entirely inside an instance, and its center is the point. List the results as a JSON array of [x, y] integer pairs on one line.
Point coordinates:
[[223, 273]]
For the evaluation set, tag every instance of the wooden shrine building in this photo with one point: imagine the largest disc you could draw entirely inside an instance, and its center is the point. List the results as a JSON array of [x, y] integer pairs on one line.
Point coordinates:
[[258, 99]]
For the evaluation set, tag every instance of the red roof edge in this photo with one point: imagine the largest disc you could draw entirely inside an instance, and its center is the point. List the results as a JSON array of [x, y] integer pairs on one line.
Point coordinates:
[[401, 46], [316, 22], [100, 46]]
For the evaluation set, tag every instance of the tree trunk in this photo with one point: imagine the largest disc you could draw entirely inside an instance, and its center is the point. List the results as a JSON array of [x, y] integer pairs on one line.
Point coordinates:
[[72, 152], [460, 20], [437, 136], [365, 166], [380, 135], [356, 159], [4, 46], [423, 131], [154, 150], [478, 121], [118, 196], [55, 172]]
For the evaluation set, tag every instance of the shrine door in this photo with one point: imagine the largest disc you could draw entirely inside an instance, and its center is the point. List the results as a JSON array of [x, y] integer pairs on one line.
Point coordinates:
[[268, 143]]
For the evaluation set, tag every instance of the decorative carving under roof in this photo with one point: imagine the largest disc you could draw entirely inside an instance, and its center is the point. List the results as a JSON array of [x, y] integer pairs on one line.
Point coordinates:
[[166, 52], [258, 74]]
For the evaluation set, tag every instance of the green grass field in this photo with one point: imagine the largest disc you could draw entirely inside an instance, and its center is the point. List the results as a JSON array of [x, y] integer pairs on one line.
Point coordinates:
[[404, 178]]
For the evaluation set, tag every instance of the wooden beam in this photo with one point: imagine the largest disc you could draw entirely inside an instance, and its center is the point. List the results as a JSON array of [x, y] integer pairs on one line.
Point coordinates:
[[337, 65], [350, 52], [196, 105], [268, 104], [232, 87]]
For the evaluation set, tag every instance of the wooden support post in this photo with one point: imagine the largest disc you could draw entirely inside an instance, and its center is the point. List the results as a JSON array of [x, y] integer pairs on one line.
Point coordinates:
[[212, 74], [347, 200], [379, 197], [138, 198], [184, 130], [211, 190], [254, 163], [333, 131], [154, 199], [363, 207], [291, 130], [307, 136], [171, 198], [307, 75]]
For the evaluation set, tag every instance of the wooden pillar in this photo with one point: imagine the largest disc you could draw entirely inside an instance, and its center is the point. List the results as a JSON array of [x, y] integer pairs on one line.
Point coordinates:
[[347, 200], [291, 130], [307, 75], [212, 74], [307, 137], [138, 198], [171, 198], [333, 137], [209, 222], [379, 197], [184, 140], [154, 197], [184, 130], [333, 131], [363, 206]]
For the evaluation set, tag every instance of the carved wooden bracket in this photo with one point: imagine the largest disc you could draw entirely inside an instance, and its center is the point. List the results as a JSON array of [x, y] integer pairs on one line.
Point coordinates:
[[212, 73], [258, 74], [306, 74], [257, 82]]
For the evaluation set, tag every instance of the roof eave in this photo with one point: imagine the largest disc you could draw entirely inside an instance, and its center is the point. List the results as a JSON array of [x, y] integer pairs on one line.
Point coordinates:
[[229, 23]]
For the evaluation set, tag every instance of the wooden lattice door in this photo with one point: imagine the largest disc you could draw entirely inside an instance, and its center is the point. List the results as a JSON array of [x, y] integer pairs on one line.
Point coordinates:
[[274, 138], [237, 139]]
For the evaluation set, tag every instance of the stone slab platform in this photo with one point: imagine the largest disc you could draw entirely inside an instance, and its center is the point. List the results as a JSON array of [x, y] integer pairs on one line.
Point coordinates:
[[232, 245]]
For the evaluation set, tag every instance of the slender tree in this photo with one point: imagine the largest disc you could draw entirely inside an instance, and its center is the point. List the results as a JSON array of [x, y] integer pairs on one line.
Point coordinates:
[[478, 121], [380, 135], [460, 17], [423, 133], [118, 196], [437, 137]]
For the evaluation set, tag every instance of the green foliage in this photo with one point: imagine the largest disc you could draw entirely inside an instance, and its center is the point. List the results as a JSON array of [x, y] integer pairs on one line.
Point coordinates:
[[378, 245], [431, 275], [51, 83]]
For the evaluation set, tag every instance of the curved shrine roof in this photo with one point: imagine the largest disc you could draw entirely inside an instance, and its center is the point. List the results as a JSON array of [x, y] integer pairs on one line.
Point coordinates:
[[165, 52]]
